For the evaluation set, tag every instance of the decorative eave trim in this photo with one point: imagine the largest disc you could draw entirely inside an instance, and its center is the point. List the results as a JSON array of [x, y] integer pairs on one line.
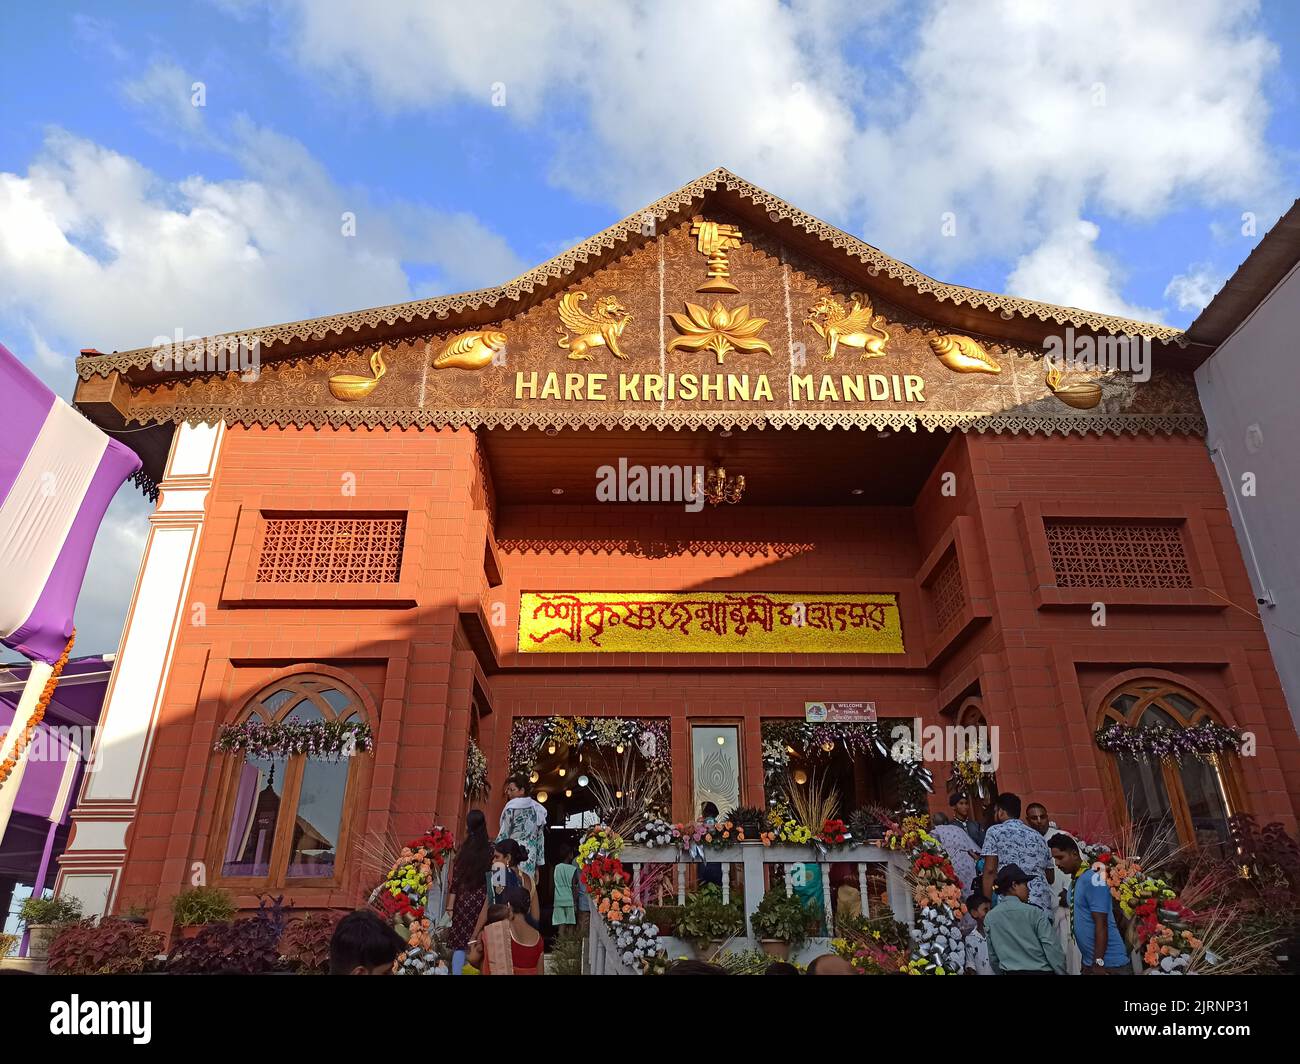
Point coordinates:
[[959, 421], [631, 229]]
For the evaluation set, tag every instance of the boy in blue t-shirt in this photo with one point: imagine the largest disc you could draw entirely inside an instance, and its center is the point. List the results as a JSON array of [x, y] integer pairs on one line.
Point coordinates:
[[1092, 913]]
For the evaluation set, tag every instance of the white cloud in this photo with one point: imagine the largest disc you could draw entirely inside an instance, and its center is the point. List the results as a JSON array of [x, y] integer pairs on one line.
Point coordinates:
[[1066, 268], [1019, 118], [1193, 290], [95, 250]]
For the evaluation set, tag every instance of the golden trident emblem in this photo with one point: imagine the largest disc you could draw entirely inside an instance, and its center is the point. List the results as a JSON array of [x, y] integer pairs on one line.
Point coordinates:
[[715, 241]]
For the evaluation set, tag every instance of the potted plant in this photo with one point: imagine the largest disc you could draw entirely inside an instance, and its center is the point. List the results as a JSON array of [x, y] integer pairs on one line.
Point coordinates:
[[750, 819], [105, 947], [44, 917], [781, 922], [665, 917], [196, 907], [305, 943], [241, 947], [708, 922]]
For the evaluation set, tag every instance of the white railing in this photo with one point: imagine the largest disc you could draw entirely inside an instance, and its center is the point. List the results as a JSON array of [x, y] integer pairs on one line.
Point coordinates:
[[748, 859]]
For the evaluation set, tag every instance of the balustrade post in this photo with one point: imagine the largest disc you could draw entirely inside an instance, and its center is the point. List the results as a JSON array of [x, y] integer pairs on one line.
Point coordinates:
[[827, 907], [862, 891], [681, 883], [900, 897], [751, 854]]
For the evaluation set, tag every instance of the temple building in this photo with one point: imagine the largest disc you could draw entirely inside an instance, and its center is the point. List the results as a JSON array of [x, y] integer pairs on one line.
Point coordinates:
[[717, 505]]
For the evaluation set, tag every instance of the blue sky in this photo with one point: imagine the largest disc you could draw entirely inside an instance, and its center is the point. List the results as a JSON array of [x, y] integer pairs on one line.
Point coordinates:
[[1100, 155]]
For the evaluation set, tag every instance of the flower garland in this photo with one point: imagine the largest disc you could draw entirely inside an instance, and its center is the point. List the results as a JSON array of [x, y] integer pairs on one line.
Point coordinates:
[[38, 714], [937, 944], [403, 900], [1157, 742], [332, 740], [609, 886], [476, 771], [650, 736]]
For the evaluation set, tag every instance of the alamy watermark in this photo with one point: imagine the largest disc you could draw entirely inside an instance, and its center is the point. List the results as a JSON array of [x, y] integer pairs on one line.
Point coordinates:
[[238, 353], [1100, 354], [657, 483]]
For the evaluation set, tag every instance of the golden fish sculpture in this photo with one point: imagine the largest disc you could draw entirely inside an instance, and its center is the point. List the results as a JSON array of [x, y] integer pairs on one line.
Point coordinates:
[[471, 350], [353, 386], [961, 354]]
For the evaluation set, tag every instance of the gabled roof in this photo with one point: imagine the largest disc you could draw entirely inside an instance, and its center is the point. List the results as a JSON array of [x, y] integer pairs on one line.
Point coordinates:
[[964, 308], [1271, 260]]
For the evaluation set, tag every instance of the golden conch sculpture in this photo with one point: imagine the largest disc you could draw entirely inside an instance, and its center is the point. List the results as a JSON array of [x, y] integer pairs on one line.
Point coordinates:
[[471, 350], [715, 240], [855, 326], [961, 354], [718, 330], [601, 328], [353, 386], [1083, 395]]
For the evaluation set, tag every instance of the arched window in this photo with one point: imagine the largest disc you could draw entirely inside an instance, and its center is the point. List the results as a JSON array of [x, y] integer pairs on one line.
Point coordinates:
[[1168, 801], [285, 814]]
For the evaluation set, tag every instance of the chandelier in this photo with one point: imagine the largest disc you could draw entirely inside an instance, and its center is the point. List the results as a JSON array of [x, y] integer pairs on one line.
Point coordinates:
[[717, 487]]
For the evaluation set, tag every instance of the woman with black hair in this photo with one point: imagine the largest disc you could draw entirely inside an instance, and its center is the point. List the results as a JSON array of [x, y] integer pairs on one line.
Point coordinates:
[[506, 872], [468, 879], [524, 820], [513, 946]]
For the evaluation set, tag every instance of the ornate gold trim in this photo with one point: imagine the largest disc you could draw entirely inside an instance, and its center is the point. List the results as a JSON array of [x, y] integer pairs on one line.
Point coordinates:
[[958, 421], [633, 228]]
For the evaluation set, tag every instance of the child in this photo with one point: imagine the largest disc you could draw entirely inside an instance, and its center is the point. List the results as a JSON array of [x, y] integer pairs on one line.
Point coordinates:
[[977, 947], [363, 944]]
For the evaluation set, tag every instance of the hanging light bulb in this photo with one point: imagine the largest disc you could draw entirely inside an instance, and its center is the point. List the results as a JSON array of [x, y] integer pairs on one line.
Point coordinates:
[[568, 792], [828, 746], [800, 776], [564, 772], [533, 777], [722, 740], [551, 748], [618, 794], [618, 749], [789, 749], [542, 796], [583, 781]]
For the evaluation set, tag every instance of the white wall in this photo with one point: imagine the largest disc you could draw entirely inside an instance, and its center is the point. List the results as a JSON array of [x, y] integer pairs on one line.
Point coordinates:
[[1250, 390]]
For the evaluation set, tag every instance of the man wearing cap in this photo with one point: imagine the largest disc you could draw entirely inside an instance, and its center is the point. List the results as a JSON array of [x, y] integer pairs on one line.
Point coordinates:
[[1020, 937]]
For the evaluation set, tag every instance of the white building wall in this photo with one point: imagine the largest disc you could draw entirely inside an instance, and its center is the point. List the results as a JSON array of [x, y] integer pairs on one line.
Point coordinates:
[[1250, 391]]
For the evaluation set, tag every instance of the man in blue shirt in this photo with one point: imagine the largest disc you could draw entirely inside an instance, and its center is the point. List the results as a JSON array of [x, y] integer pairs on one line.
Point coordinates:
[[1093, 912]]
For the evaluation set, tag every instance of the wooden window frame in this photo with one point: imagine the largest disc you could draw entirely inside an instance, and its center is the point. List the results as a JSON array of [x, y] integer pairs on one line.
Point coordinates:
[[1227, 768], [294, 767]]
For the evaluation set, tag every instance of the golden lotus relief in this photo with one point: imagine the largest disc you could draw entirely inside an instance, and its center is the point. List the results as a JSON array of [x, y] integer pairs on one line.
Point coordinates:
[[350, 387], [854, 326], [718, 330], [961, 354], [601, 328], [715, 240]]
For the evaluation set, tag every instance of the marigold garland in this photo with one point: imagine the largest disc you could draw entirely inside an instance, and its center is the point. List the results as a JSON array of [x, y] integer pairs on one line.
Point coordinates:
[[42, 704]]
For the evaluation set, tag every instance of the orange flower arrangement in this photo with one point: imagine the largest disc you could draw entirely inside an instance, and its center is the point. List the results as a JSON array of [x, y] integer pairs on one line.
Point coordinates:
[[42, 704]]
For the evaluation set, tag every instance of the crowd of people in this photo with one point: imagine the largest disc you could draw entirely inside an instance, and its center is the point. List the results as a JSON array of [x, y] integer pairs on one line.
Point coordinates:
[[1033, 907]]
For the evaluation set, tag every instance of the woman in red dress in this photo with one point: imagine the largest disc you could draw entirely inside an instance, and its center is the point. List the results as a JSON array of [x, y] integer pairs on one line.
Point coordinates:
[[511, 946]]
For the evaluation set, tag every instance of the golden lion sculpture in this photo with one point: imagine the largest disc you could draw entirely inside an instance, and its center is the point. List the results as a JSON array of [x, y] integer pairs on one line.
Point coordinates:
[[601, 328], [854, 327]]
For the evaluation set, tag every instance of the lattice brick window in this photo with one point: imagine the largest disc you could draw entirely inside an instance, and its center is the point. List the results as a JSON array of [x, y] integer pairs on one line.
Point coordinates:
[[1121, 555], [946, 593], [331, 550]]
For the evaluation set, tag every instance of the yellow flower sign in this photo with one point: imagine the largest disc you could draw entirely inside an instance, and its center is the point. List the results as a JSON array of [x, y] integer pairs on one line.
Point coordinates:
[[708, 622]]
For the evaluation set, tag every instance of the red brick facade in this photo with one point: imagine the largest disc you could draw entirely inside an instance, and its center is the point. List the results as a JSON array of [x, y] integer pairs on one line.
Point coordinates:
[[420, 651]]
